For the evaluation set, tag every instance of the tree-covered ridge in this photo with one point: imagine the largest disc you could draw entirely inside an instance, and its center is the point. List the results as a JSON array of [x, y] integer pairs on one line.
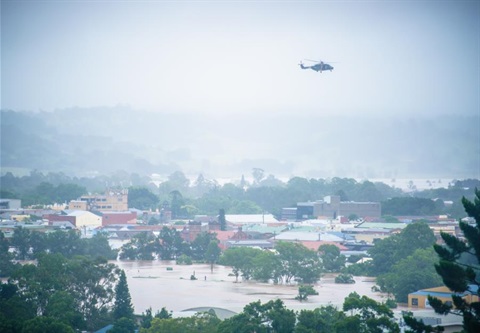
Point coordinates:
[[107, 139], [186, 199]]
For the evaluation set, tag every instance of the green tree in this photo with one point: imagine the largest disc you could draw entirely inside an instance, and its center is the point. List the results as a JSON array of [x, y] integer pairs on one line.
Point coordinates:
[[417, 234], [304, 292], [6, 265], [258, 174], [98, 246], [298, 262], [457, 275], [122, 308], [171, 244], [21, 243], [417, 326], [163, 314], [92, 283], [409, 206], [45, 324], [213, 253], [267, 266], [370, 316], [44, 193], [61, 307], [142, 198], [142, 246], [272, 316], [241, 260], [221, 219], [200, 245], [205, 322], [14, 310], [147, 318], [66, 192], [179, 181], [245, 207], [176, 203], [39, 282], [123, 325], [67, 243], [323, 319], [331, 258], [38, 243], [415, 272], [389, 251]]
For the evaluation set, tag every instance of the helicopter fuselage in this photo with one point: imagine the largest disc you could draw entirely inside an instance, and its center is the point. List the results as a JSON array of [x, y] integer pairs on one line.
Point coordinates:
[[320, 67]]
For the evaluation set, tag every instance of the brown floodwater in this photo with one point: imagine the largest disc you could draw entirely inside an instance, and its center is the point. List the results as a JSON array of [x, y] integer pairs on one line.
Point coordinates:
[[153, 284]]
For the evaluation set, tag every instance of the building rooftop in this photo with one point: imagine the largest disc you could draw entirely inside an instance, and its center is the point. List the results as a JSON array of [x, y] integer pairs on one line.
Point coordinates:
[[308, 236], [381, 225], [251, 218]]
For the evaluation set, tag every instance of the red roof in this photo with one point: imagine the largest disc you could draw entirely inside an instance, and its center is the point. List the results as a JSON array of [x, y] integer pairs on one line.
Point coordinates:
[[223, 235]]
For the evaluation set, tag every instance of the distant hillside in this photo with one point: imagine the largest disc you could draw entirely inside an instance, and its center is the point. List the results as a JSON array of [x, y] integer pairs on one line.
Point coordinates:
[[104, 140]]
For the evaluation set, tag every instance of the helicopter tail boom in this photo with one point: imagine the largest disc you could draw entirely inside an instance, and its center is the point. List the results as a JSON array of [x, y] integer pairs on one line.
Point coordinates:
[[303, 67]]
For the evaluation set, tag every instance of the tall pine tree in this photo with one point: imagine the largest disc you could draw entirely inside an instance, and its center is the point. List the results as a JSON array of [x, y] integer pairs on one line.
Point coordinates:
[[123, 307], [459, 268], [221, 219]]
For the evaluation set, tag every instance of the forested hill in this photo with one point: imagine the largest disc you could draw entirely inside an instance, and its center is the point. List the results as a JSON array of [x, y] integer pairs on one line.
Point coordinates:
[[107, 139]]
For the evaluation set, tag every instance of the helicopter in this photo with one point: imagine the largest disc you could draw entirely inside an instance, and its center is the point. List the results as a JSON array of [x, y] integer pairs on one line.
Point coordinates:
[[320, 66]]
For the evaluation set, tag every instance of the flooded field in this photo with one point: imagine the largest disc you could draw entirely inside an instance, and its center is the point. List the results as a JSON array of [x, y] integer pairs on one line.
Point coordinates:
[[158, 284]]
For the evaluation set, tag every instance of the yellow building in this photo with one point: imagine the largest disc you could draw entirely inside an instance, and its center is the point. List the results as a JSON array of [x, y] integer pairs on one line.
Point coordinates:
[[111, 201], [20, 217], [77, 205], [419, 299]]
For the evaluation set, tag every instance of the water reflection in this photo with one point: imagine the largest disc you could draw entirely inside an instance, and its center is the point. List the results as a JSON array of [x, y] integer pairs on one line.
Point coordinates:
[[153, 284]]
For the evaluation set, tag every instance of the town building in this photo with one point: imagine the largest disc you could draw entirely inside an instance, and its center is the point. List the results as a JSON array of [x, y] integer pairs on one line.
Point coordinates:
[[331, 207], [118, 218], [110, 201], [242, 219], [419, 299], [10, 204], [78, 218]]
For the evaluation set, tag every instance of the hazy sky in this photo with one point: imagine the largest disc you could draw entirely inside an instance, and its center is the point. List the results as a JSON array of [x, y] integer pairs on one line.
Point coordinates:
[[414, 57]]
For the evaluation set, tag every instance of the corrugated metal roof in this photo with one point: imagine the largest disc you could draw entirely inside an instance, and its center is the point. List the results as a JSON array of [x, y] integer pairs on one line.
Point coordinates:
[[251, 218], [308, 236], [381, 225]]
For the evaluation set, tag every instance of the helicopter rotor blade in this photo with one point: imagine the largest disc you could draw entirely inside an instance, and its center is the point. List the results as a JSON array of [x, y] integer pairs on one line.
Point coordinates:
[[319, 61]]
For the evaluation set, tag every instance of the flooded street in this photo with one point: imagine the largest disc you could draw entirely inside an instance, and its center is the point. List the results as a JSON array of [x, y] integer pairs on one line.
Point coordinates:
[[153, 284]]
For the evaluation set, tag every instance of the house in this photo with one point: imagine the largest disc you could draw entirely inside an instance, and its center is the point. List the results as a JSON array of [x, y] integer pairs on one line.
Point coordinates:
[[419, 299]]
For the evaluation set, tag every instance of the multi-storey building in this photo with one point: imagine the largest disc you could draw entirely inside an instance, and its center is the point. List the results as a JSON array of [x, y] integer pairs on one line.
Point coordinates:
[[110, 201], [331, 207]]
